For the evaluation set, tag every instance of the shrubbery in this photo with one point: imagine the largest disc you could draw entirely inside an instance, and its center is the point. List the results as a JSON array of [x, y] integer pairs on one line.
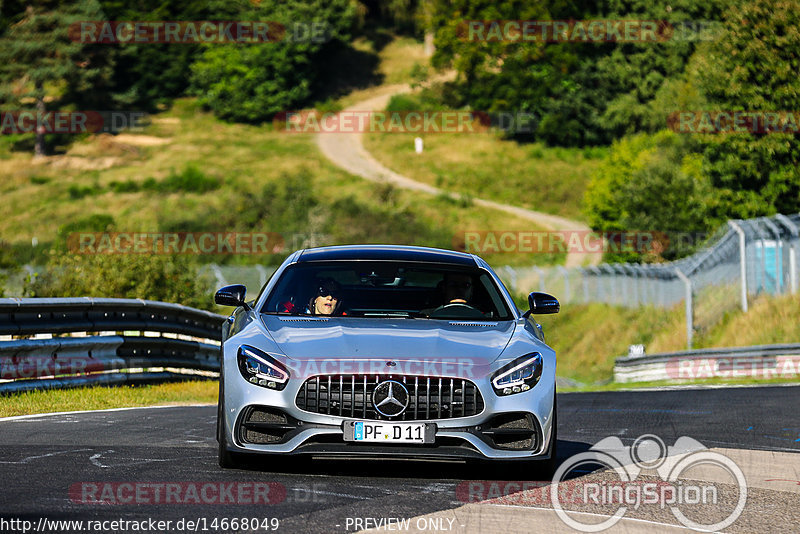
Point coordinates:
[[153, 277], [652, 183]]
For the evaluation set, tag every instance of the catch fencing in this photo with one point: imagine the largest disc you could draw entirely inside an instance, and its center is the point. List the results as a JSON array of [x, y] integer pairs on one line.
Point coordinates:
[[741, 260], [102, 341]]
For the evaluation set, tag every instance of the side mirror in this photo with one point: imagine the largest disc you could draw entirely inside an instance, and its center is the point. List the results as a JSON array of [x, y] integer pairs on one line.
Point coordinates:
[[232, 295], [542, 303]]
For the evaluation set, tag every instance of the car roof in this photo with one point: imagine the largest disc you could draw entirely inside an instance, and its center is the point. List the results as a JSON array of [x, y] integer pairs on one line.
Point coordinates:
[[386, 253]]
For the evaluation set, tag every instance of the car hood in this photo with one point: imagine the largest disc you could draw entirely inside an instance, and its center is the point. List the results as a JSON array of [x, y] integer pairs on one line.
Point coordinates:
[[304, 338]]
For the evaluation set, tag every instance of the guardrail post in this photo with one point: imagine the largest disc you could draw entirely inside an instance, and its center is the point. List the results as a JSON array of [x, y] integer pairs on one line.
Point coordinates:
[[742, 262], [689, 308]]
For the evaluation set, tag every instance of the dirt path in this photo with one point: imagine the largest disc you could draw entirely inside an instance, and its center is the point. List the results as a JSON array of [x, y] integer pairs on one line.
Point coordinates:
[[346, 150]]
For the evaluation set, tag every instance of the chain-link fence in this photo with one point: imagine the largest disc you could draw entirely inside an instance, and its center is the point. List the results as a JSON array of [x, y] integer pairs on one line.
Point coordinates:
[[741, 260]]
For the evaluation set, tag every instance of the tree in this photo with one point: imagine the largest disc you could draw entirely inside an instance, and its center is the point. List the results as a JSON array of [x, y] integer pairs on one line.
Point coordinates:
[[40, 64], [253, 82], [653, 183], [585, 93], [753, 67]]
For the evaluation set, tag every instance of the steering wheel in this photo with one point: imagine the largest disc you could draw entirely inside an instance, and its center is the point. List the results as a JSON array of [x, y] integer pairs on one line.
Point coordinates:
[[457, 310]]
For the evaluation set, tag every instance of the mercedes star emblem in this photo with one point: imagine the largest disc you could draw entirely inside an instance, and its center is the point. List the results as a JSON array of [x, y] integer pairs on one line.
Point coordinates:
[[390, 398]]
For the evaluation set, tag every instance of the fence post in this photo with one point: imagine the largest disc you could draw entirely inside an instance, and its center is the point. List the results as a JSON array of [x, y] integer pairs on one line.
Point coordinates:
[[563, 270], [793, 232], [778, 257], [218, 275], [689, 308], [742, 262], [585, 283], [540, 272]]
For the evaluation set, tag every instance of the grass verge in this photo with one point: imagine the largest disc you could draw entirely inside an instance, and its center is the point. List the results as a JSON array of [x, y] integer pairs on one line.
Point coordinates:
[[101, 398], [588, 338], [687, 384]]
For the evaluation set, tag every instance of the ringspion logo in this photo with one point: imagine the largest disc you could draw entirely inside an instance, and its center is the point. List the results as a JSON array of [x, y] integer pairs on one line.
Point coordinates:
[[672, 464]]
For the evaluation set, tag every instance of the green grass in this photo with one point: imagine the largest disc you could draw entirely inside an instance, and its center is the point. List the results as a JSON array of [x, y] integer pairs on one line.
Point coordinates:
[[685, 383], [101, 398], [552, 180], [195, 179], [188, 171], [589, 338]]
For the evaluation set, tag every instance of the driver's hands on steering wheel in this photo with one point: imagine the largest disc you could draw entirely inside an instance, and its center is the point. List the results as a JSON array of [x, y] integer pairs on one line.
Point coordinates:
[[460, 310]]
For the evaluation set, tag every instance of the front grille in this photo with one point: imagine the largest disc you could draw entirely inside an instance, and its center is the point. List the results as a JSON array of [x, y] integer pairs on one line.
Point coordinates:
[[351, 396]]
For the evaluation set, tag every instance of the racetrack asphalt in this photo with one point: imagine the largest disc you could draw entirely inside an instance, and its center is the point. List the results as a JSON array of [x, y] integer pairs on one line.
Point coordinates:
[[54, 466]]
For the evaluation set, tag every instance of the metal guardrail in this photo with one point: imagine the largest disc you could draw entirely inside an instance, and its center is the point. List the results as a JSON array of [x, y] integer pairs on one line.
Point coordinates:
[[760, 361], [125, 338]]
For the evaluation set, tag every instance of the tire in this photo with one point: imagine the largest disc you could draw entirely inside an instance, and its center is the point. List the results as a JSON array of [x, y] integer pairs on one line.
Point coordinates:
[[548, 467], [227, 459], [544, 469]]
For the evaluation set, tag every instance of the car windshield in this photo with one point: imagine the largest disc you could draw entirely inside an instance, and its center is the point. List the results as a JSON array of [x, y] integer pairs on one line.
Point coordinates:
[[387, 289]]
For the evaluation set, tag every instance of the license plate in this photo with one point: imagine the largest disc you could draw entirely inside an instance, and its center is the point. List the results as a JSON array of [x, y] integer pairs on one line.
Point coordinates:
[[387, 432]]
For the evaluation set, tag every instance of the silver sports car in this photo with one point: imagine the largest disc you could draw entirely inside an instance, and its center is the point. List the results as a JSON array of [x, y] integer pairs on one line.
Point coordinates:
[[386, 351]]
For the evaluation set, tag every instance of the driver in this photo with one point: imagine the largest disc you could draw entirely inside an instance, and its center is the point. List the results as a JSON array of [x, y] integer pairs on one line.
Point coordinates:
[[457, 288]]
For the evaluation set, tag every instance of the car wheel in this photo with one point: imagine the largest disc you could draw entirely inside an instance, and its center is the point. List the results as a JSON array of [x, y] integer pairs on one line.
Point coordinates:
[[226, 458], [548, 467]]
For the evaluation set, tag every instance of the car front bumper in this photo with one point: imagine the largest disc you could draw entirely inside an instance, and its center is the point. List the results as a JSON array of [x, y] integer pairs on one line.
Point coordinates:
[[289, 430]]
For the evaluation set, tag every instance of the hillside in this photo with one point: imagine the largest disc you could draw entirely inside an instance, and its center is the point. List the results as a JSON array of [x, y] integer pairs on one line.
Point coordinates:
[[188, 171], [588, 338]]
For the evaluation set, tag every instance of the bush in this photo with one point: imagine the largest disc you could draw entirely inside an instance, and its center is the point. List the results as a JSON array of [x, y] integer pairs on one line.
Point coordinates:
[[190, 180], [80, 191], [652, 183], [128, 186], [164, 278]]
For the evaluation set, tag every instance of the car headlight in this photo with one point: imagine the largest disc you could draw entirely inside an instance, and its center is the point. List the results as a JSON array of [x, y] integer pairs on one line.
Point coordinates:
[[261, 369], [518, 376]]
